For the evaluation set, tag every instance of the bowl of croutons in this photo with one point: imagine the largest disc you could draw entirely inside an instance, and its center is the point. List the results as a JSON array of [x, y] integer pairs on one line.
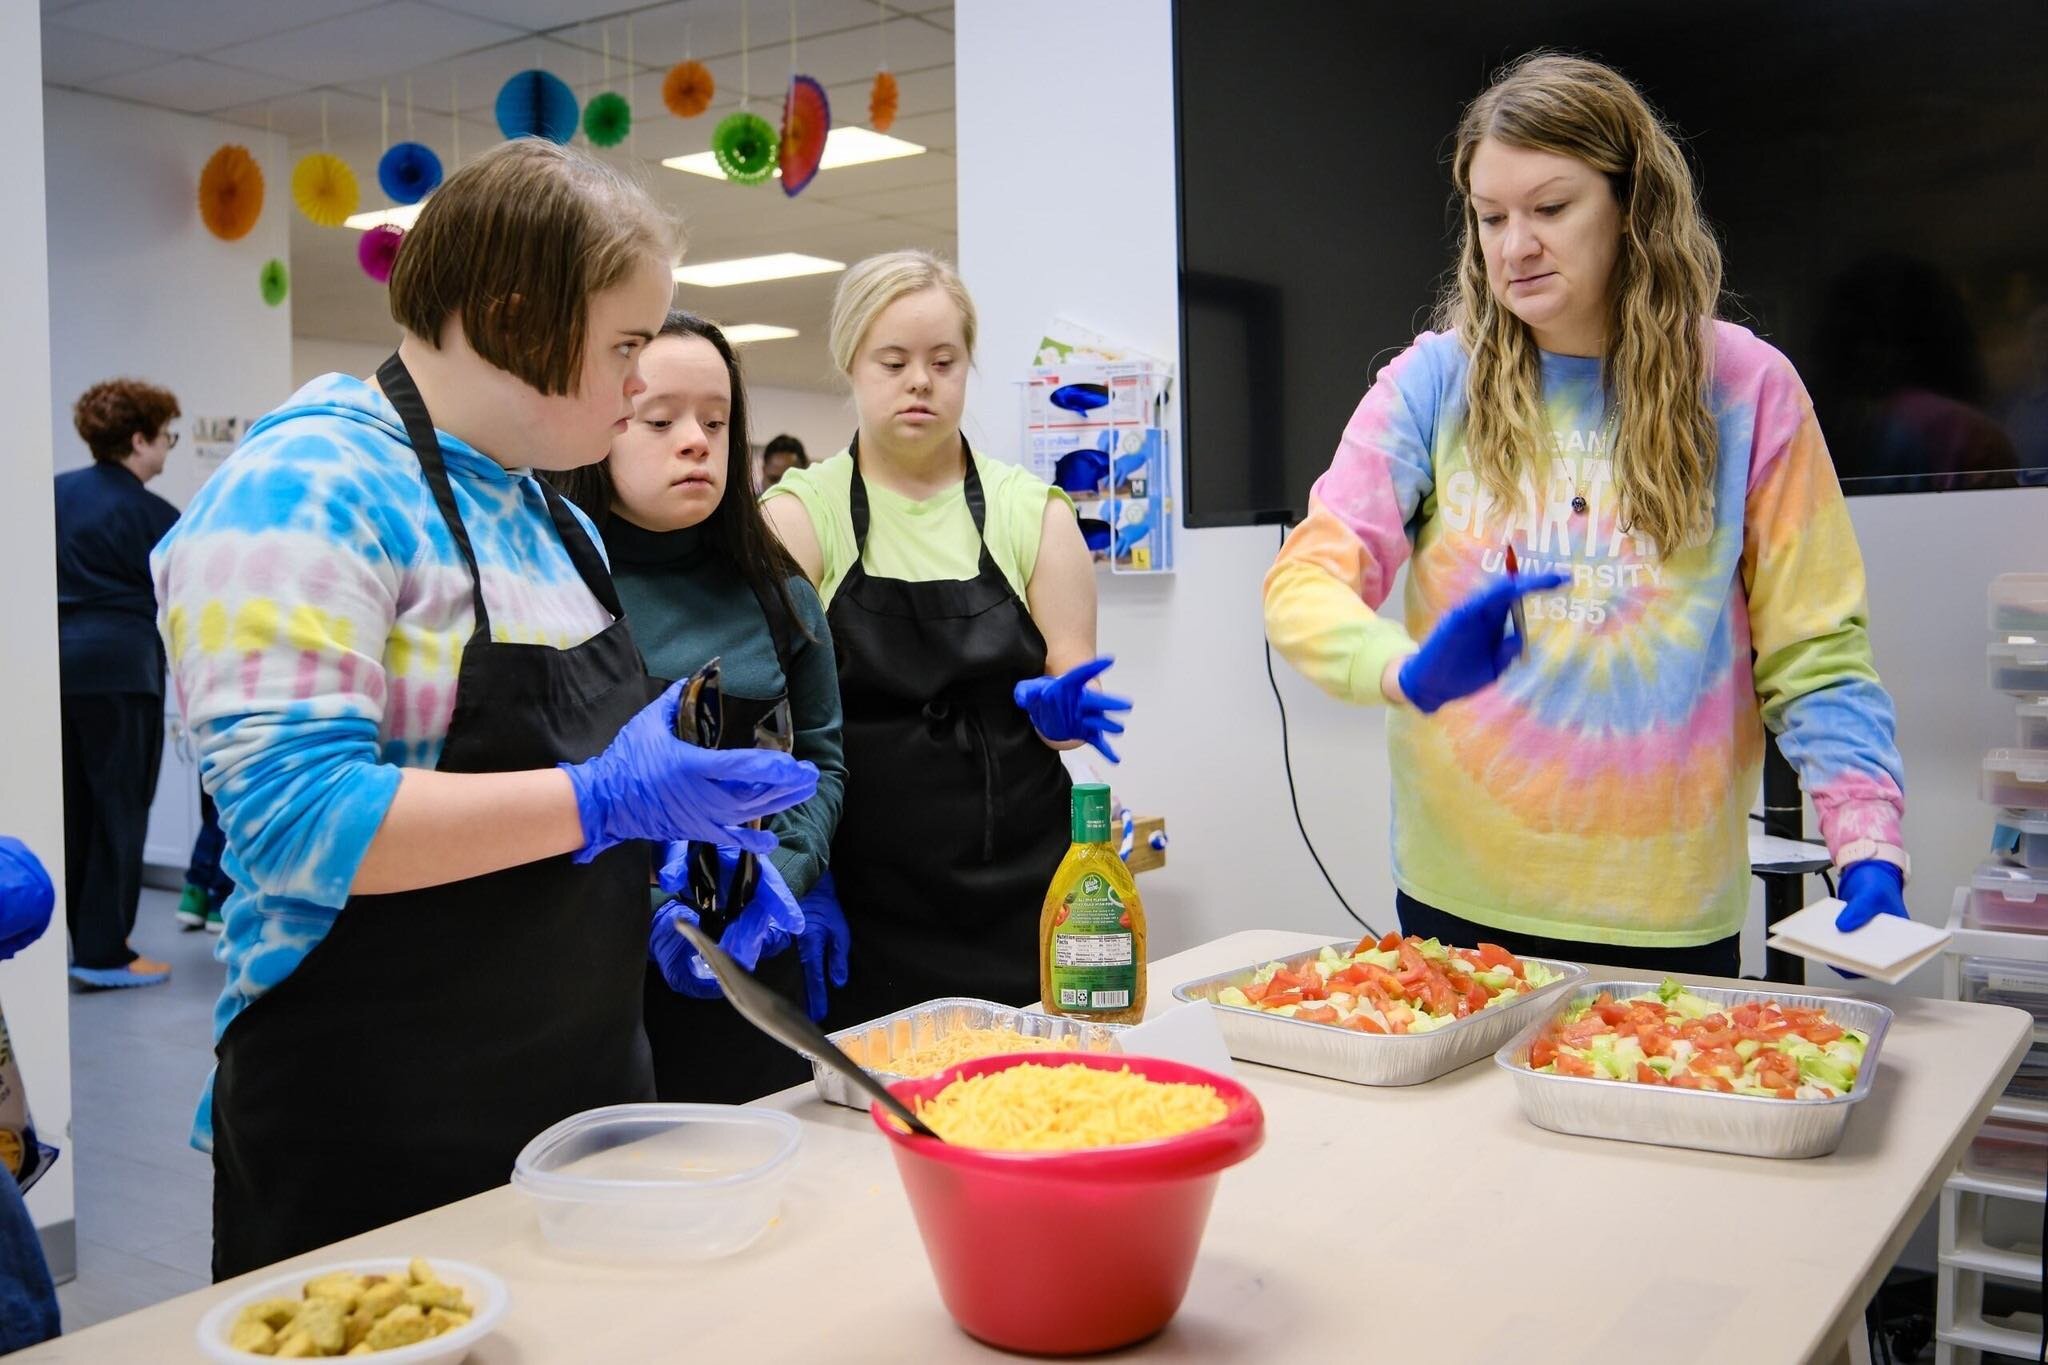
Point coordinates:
[[403, 1312]]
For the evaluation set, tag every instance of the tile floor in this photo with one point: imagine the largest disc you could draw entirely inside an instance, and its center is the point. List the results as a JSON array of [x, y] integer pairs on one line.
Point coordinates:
[[138, 1061]]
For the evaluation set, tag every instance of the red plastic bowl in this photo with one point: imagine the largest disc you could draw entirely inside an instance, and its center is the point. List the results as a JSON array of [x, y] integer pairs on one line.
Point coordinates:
[[1065, 1253]]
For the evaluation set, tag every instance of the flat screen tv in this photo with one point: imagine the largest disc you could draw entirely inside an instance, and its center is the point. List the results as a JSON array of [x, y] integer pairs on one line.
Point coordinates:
[[1877, 173]]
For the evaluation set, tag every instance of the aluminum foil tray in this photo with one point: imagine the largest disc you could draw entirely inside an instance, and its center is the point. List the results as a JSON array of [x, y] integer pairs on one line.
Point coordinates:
[[1366, 1058], [1746, 1125], [880, 1041]]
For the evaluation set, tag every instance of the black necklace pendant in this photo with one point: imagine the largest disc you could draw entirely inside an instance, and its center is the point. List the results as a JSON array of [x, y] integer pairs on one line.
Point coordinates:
[[1579, 504]]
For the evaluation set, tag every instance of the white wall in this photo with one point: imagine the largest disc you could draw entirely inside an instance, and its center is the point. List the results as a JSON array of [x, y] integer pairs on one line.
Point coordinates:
[[139, 287], [1204, 744], [315, 356], [33, 989]]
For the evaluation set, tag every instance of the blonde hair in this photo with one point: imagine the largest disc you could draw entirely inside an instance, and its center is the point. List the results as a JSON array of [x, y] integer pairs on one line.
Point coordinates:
[[1666, 282], [875, 283], [517, 243]]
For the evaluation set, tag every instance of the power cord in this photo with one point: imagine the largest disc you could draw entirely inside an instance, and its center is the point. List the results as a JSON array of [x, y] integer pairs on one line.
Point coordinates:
[[1294, 797]]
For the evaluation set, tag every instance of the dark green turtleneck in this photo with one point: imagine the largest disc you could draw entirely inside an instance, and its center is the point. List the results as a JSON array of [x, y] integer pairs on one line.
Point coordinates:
[[688, 604]]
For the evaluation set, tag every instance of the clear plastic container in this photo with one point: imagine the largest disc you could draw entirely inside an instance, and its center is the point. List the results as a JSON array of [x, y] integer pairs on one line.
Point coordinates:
[[659, 1181], [2007, 1148], [2004, 981], [2020, 837], [2034, 724], [2019, 667], [2010, 899], [2016, 778], [2019, 604]]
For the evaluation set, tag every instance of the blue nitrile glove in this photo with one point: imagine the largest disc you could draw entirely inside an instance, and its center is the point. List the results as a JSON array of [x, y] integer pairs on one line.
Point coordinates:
[[1471, 646], [26, 897], [648, 784], [1870, 888], [768, 924], [823, 945], [1066, 707]]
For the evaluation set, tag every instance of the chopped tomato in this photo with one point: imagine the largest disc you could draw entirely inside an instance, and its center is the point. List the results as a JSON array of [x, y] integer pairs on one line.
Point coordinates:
[[1493, 955], [1647, 1074], [1363, 1023], [1543, 1051], [1274, 1002], [1475, 997], [1390, 942], [1257, 993], [1786, 1092], [1569, 1065], [1611, 1014], [1821, 1034], [1320, 1014]]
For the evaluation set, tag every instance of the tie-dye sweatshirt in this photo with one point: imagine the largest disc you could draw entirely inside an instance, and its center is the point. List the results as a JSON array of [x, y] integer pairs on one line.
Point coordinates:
[[1600, 791], [314, 610]]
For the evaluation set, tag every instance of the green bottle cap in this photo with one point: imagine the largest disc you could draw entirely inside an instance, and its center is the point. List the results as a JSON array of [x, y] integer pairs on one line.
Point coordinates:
[[1091, 813]]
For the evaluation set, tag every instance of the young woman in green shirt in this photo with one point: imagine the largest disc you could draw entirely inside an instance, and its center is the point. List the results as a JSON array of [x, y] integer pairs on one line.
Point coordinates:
[[701, 577], [962, 604]]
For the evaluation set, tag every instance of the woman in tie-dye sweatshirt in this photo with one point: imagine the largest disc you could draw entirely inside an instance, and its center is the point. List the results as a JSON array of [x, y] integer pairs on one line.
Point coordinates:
[[1690, 573]]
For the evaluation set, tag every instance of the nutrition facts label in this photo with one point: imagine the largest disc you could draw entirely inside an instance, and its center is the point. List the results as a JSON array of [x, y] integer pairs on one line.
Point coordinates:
[[1091, 950]]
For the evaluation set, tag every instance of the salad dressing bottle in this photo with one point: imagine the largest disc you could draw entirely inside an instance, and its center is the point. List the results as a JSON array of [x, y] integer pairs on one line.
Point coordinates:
[[1091, 933]]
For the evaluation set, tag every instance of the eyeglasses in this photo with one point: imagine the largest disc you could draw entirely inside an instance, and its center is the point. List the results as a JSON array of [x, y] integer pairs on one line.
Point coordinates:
[[700, 720], [171, 444]]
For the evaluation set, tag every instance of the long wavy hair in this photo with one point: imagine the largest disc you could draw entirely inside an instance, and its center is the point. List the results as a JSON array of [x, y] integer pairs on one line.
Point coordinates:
[[1664, 290]]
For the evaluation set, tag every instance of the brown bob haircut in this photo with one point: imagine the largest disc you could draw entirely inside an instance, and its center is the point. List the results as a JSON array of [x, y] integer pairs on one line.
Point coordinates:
[[516, 244], [111, 413]]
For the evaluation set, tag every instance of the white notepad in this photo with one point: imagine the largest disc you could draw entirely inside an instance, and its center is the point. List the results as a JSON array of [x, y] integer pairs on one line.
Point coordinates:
[[1887, 949]]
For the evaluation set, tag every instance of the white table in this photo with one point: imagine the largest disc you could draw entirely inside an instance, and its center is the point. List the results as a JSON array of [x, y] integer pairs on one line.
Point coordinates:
[[1572, 1249]]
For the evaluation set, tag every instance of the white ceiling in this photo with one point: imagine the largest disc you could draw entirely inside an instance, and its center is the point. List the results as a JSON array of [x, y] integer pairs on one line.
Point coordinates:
[[284, 64]]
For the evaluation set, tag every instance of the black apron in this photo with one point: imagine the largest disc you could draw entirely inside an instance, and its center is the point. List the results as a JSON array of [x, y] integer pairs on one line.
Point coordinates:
[[956, 813], [432, 1033], [704, 1051]]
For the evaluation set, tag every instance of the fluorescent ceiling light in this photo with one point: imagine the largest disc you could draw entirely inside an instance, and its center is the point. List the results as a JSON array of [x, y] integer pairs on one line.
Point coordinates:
[[849, 146], [783, 265], [740, 333], [401, 217]]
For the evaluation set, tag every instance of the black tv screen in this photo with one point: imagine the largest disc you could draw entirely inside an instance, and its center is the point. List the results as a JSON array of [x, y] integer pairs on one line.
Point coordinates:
[[1877, 172]]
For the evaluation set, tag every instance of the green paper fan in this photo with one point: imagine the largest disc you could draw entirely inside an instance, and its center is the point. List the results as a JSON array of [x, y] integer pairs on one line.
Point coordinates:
[[607, 119], [274, 281], [745, 146]]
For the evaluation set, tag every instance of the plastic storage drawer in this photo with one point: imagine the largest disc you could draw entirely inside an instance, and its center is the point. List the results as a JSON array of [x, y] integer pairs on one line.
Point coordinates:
[[2019, 604], [2020, 837], [2007, 1148], [2019, 667], [2033, 724], [2009, 899], [2016, 778]]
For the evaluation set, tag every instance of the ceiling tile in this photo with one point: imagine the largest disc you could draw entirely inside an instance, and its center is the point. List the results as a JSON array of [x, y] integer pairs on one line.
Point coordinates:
[[474, 77], [855, 54], [194, 26], [367, 45], [940, 197], [191, 84], [352, 118], [661, 37], [74, 58], [541, 16]]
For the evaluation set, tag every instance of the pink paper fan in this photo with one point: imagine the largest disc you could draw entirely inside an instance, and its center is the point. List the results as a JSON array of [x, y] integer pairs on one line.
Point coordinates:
[[378, 251]]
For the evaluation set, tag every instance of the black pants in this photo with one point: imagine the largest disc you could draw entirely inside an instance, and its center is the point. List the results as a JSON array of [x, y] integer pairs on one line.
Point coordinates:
[[113, 745], [705, 1052], [1723, 957]]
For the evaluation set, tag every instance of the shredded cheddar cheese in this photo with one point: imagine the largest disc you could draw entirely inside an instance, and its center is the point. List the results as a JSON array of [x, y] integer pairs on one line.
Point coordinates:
[[1029, 1107]]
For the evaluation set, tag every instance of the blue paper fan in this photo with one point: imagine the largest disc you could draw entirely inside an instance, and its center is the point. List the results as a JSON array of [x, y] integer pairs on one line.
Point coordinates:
[[409, 172], [537, 103]]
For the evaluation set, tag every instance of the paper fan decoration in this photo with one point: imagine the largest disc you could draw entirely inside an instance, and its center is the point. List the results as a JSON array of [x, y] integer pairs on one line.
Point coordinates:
[[230, 193], [744, 145], [274, 281], [537, 103], [607, 119], [687, 89], [377, 252], [409, 172], [806, 118], [324, 188], [882, 102]]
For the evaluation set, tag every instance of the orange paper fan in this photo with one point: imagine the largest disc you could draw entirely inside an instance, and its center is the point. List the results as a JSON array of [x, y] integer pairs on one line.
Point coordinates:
[[230, 193], [882, 102], [687, 89]]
